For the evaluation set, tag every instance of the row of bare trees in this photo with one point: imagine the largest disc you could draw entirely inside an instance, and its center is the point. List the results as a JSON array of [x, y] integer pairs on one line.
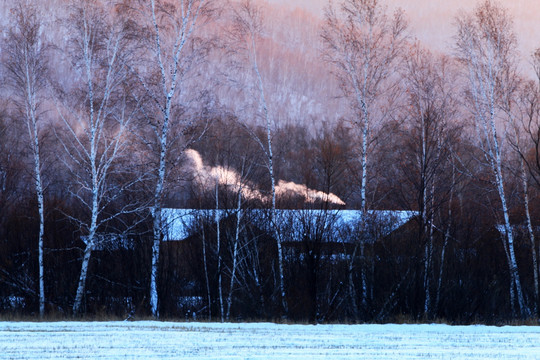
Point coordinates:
[[487, 58], [105, 98], [110, 111]]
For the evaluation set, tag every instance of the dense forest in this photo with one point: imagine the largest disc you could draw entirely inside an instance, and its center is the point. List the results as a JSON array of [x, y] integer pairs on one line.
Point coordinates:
[[296, 143]]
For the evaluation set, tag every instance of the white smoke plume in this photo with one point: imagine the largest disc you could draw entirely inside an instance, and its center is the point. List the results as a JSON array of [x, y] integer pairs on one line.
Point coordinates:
[[207, 176], [285, 188]]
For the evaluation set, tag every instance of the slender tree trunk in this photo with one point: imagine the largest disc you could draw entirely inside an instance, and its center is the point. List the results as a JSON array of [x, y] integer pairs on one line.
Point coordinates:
[[363, 276], [525, 189], [90, 243], [372, 274], [513, 268], [425, 221], [41, 206], [169, 78], [441, 267], [156, 214], [446, 239], [496, 164], [26, 67], [428, 305], [256, 276], [352, 289], [156, 243], [531, 233], [427, 278], [82, 277], [91, 239], [361, 101], [235, 252], [41, 251], [512, 292], [270, 155], [277, 235], [487, 45], [364, 162], [205, 264], [218, 239], [95, 122]]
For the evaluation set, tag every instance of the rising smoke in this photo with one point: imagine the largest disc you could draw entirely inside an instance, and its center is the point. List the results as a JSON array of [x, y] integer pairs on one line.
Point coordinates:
[[285, 188], [206, 177]]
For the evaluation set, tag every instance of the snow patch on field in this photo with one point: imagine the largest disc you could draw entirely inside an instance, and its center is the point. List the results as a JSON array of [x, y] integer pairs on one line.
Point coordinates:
[[166, 340]]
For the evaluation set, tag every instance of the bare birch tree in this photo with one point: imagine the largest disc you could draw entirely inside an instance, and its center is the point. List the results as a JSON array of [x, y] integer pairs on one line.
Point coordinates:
[[245, 37], [523, 134], [217, 216], [96, 137], [486, 45], [234, 253], [26, 65], [531, 123], [530, 156], [431, 110], [362, 45], [239, 186], [171, 49]]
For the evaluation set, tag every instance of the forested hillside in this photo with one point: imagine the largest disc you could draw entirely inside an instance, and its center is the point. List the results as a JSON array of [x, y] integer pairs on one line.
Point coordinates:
[[115, 114]]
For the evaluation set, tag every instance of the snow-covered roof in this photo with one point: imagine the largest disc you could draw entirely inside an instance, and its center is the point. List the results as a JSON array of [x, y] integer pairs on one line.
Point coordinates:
[[334, 225], [177, 223]]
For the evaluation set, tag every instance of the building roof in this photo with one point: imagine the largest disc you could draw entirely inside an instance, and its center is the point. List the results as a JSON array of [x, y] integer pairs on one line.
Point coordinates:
[[334, 225]]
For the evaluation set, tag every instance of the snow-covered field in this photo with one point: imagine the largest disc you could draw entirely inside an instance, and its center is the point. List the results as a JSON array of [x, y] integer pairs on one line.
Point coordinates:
[[162, 340]]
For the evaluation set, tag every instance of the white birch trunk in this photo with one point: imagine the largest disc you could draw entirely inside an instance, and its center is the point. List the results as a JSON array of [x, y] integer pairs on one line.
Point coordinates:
[[441, 268], [33, 132], [235, 252], [83, 275], [429, 258], [525, 189], [270, 159], [514, 273], [352, 289], [486, 42], [41, 254], [364, 162], [274, 223], [169, 81], [156, 244], [361, 102], [25, 65], [362, 44], [91, 239], [94, 128], [446, 239], [218, 240], [513, 268], [531, 233], [156, 215], [424, 206], [96, 157], [365, 120], [95, 123], [90, 147]]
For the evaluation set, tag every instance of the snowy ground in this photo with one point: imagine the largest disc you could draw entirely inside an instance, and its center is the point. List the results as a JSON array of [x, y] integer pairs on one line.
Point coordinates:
[[157, 340]]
